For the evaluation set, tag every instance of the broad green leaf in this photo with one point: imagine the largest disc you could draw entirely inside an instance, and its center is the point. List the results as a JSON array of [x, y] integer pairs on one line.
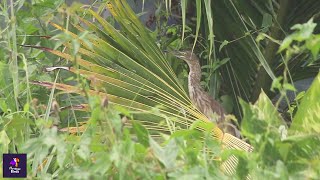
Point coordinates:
[[259, 118], [313, 44], [167, 154], [4, 139], [267, 20], [142, 133], [261, 124], [304, 31], [307, 118]]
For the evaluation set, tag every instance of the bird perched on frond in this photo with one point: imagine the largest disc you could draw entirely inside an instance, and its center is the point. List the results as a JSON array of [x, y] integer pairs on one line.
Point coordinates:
[[201, 99]]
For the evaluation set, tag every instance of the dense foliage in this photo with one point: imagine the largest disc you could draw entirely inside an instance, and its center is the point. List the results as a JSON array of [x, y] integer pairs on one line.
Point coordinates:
[[90, 96]]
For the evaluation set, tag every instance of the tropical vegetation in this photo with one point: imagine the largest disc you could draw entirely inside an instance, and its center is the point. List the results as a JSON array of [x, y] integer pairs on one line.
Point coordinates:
[[87, 95]]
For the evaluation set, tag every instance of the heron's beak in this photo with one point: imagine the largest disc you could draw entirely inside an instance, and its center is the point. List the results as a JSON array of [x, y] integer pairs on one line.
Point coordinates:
[[178, 54], [175, 53]]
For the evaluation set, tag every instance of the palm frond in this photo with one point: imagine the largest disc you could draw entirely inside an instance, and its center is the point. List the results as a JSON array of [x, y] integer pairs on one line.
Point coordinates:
[[130, 70]]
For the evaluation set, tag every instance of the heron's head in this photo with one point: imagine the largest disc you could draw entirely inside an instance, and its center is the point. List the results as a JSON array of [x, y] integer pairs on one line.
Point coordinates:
[[186, 55]]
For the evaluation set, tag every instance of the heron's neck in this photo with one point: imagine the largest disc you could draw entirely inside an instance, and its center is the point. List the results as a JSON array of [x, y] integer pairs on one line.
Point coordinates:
[[194, 74]]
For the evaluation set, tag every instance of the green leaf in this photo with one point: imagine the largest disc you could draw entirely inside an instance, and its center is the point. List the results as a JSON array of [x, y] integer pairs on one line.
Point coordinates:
[[102, 164], [207, 126], [142, 133], [4, 142], [267, 20], [313, 44], [3, 106], [209, 17], [75, 46], [83, 150], [183, 9], [260, 119], [304, 31], [62, 151], [286, 43], [167, 155], [307, 118], [199, 11], [288, 86], [186, 133], [224, 43], [276, 84]]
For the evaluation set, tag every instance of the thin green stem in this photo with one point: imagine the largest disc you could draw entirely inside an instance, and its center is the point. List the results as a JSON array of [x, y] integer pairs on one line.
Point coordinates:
[[14, 53]]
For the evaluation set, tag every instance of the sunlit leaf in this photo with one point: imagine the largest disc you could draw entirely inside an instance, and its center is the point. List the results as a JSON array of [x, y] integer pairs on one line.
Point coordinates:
[[307, 118]]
